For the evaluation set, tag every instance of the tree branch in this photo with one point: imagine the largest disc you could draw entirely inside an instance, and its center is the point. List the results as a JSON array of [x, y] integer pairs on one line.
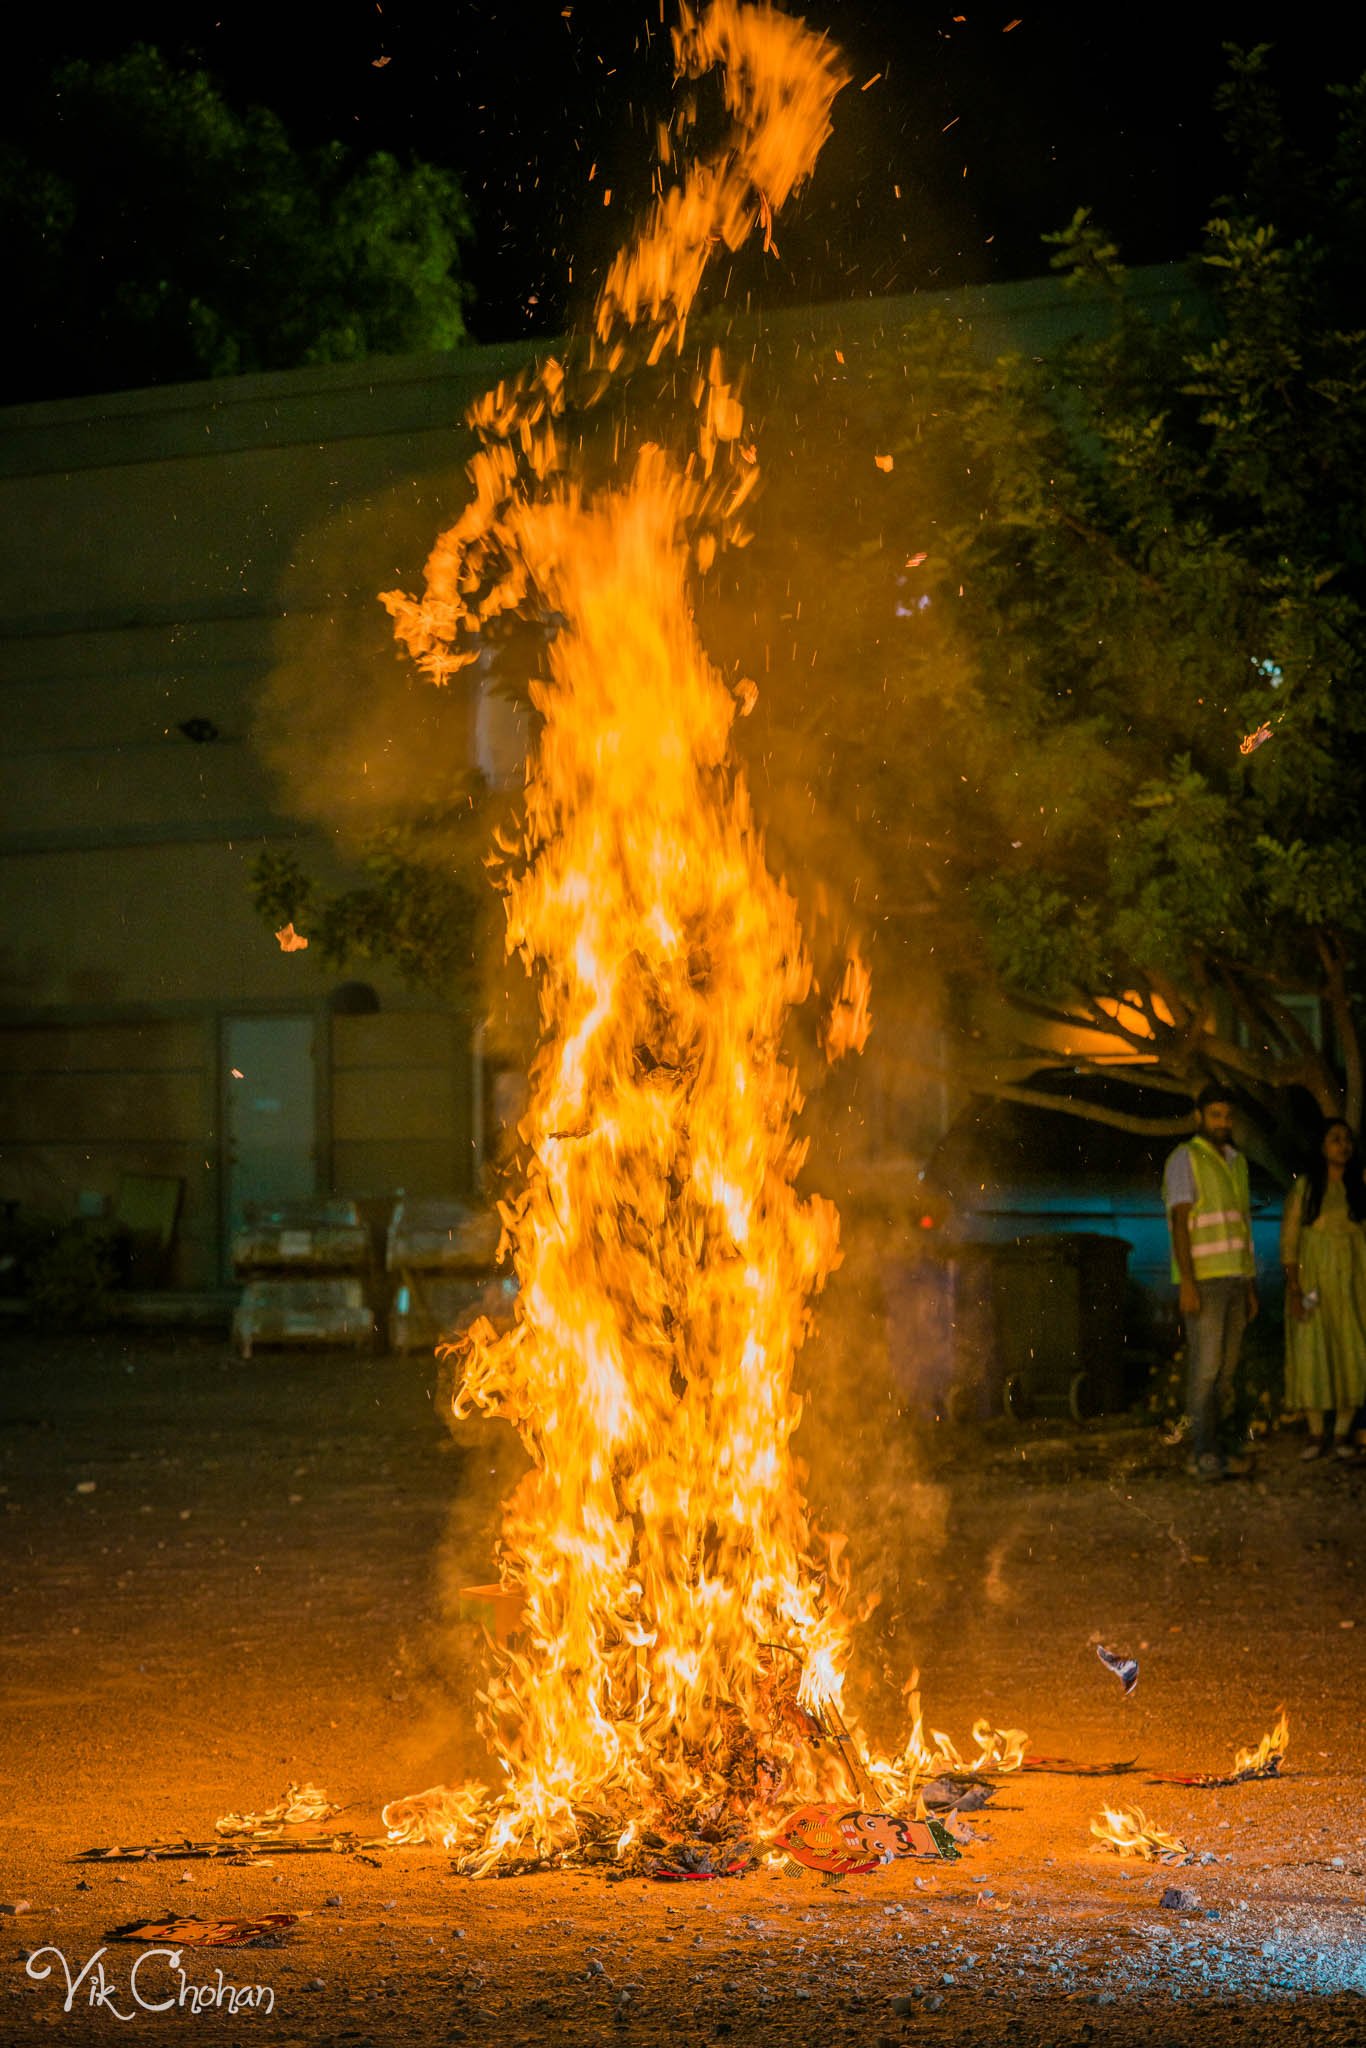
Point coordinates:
[[1092, 1112], [1345, 1030], [1066, 1105]]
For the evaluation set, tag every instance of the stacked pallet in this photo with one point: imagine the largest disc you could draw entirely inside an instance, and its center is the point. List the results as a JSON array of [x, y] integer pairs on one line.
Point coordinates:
[[307, 1269], [440, 1256]]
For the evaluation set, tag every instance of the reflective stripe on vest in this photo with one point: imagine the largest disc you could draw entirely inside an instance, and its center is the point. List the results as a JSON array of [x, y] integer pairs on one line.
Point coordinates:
[[1220, 1221]]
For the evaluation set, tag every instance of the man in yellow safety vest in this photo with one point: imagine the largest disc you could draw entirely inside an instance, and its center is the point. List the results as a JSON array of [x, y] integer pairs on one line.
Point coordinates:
[[1209, 1208]]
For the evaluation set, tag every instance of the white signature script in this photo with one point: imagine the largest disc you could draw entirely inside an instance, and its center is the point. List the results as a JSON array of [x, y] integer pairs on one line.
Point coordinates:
[[145, 1991]]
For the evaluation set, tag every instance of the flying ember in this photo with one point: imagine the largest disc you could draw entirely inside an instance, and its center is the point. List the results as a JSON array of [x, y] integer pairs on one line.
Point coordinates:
[[680, 1658]]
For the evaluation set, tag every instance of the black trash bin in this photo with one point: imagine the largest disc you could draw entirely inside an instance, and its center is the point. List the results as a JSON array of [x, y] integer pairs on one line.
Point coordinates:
[[1058, 1323]]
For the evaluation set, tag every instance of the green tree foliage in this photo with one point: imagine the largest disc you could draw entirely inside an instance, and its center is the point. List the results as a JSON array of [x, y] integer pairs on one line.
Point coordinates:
[[1081, 582], [419, 903], [154, 234]]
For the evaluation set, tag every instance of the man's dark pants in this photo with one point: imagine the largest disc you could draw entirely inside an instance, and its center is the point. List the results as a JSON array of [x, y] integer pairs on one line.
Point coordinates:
[[1213, 1339]]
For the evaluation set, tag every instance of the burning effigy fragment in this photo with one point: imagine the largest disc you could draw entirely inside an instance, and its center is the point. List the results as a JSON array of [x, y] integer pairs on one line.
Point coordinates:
[[1129, 1832], [847, 1842], [957, 1795], [1249, 1764], [675, 1684]]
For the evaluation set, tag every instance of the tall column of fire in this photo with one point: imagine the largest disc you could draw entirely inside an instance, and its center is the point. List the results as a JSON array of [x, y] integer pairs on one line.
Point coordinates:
[[680, 1627]]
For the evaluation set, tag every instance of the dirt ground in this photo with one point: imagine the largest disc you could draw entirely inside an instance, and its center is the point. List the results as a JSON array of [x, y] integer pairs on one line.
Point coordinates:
[[222, 1576]]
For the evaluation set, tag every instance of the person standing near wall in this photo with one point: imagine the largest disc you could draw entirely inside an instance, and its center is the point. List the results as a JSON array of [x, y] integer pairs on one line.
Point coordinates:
[[1209, 1210], [1323, 1253]]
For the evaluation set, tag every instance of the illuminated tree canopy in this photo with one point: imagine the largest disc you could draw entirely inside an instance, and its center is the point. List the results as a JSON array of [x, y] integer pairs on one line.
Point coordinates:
[[1064, 599]]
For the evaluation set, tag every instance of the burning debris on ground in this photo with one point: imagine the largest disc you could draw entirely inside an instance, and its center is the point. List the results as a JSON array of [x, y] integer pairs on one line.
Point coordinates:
[[1129, 1832], [1035, 1922]]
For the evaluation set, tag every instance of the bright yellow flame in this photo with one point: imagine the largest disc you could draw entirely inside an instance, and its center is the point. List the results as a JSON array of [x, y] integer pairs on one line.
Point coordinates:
[[922, 1757], [1129, 1832], [681, 1644], [1266, 1759]]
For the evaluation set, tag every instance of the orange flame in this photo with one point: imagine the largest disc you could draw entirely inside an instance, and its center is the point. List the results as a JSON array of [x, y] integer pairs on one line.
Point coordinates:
[[1266, 1759], [680, 1648], [851, 1017], [999, 1751], [1129, 1832]]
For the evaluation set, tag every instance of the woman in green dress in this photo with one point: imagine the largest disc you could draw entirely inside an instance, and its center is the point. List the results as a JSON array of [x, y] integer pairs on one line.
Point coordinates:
[[1323, 1251]]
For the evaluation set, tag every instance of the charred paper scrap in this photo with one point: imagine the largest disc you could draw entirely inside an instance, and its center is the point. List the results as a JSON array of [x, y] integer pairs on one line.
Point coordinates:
[[957, 1795], [1124, 1668], [241, 1849], [192, 1932], [694, 1862], [297, 1805]]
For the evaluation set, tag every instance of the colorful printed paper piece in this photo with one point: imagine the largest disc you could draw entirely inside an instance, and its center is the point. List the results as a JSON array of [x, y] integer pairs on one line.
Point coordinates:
[[1124, 1668], [191, 1932], [847, 1842]]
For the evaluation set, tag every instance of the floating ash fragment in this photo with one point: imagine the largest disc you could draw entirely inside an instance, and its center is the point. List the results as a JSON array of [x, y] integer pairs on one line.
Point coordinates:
[[291, 941], [191, 1932], [1253, 740], [298, 1803], [1129, 1832], [1124, 1668]]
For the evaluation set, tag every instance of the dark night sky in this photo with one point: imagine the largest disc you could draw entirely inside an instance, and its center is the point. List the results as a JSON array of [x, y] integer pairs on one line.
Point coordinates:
[[1103, 105]]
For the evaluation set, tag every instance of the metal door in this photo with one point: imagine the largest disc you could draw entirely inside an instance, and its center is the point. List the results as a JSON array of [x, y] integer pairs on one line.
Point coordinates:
[[271, 1112]]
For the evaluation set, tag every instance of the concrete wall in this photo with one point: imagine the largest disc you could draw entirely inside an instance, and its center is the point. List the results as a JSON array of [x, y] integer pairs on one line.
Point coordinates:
[[213, 552], [168, 553]]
